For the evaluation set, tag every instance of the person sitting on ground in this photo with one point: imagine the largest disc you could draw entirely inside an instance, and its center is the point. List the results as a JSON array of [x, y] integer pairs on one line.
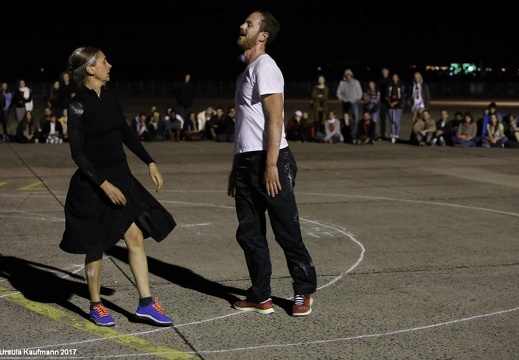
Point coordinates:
[[366, 129], [424, 128], [332, 128], [441, 135], [52, 132], [27, 130], [215, 124], [228, 126], [466, 134], [495, 134], [511, 131], [294, 127]]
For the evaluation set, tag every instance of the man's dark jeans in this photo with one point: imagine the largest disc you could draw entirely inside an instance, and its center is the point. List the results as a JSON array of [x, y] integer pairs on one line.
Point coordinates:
[[252, 202]]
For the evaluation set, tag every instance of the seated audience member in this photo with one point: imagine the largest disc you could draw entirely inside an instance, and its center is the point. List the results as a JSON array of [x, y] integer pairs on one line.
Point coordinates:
[[466, 134], [141, 127], [52, 132], [157, 127], [511, 131], [495, 133], [190, 131], [491, 109], [63, 119], [294, 127], [308, 127], [228, 126], [366, 129], [27, 130], [214, 126], [332, 130], [441, 135], [173, 125], [203, 117], [346, 128], [424, 128]]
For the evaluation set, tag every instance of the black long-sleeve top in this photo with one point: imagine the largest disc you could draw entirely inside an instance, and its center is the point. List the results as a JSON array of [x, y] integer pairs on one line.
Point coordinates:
[[97, 130]]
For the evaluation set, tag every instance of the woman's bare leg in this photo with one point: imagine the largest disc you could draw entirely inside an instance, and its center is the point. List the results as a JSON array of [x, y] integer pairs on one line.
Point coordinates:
[[138, 260], [93, 267]]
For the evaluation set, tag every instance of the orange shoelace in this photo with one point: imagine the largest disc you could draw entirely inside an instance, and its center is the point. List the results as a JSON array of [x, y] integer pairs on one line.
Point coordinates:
[[157, 307], [101, 310]]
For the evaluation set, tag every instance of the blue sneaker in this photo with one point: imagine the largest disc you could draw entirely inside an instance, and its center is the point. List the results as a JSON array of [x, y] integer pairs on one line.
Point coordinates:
[[153, 313], [99, 315]]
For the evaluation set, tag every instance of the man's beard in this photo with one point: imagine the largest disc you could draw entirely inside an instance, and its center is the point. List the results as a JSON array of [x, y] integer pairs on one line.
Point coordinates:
[[246, 43]]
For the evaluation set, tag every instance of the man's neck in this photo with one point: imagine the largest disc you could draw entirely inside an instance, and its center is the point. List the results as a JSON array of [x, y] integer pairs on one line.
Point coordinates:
[[252, 54]]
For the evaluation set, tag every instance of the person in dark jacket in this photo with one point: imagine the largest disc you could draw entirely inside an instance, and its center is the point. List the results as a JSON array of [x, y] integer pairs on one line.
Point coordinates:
[[105, 202]]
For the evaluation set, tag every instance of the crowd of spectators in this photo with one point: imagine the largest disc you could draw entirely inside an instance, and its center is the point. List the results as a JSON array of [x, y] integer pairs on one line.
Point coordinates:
[[367, 115]]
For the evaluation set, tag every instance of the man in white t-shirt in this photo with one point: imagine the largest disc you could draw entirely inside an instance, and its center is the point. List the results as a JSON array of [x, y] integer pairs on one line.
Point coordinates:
[[263, 174]]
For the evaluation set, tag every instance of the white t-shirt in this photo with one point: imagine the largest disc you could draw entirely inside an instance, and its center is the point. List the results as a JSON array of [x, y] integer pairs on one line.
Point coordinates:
[[261, 77]]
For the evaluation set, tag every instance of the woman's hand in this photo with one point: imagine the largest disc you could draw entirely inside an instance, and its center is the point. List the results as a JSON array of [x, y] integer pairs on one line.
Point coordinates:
[[156, 176], [114, 194]]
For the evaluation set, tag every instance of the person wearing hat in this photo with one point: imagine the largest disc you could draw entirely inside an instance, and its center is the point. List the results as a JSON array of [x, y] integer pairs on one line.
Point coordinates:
[[294, 127], [349, 92]]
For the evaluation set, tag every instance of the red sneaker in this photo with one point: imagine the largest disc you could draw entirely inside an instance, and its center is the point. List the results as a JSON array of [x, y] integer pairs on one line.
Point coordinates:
[[264, 307], [302, 305]]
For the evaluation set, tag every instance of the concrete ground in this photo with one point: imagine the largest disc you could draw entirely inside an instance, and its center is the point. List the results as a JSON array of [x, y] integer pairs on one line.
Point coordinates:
[[415, 248]]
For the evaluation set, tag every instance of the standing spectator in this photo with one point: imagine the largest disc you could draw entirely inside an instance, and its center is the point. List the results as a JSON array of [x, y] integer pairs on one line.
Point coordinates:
[[22, 100], [349, 92], [6, 99], [68, 89], [366, 129], [466, 134], [185, 95], [421, 95], [371, 100], [396, 102], [383, 85], [495, 134], [263, 174], [26, 130], [320, 93], [54, 98], [332, 130], [105, 202]]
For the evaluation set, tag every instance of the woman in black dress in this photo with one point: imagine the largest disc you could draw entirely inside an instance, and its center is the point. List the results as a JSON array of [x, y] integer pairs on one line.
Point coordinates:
[[105, 202]]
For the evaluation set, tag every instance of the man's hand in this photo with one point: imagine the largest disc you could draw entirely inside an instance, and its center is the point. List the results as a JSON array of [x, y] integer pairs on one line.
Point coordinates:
[[231, 185], [271, 178]]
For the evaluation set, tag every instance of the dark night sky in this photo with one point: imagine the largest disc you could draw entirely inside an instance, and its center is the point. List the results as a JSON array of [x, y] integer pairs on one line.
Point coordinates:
[[161, 39]]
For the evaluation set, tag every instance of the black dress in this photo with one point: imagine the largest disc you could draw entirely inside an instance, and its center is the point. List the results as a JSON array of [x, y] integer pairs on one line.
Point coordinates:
[[97, 131]]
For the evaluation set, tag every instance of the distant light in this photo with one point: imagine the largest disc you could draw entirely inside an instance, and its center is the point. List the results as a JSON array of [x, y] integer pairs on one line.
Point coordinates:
[[42, 69], [319, 68]]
